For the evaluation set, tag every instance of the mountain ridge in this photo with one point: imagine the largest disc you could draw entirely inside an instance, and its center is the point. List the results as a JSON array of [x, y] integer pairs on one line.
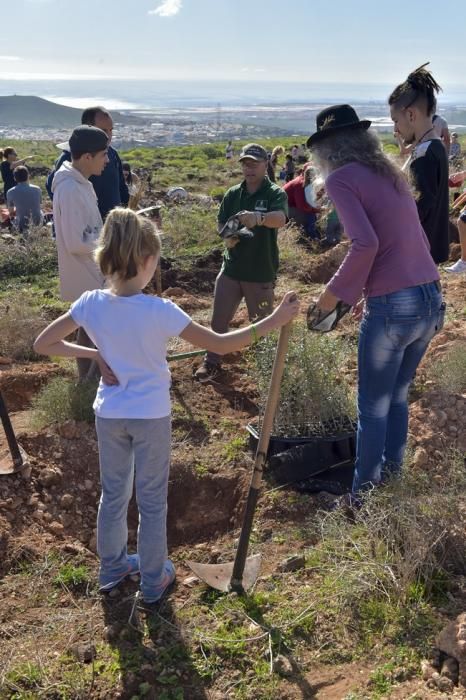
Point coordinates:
[[32, 111]]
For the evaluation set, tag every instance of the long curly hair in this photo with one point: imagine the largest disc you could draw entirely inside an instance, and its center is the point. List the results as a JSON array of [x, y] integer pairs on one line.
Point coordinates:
[[357, 146], [420, 86]]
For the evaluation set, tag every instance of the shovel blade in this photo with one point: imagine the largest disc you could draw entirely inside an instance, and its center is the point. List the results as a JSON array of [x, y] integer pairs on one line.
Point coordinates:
[[10, 466], [218, 576]]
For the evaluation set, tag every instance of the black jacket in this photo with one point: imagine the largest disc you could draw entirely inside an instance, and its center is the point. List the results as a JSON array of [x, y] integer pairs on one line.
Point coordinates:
[[429, 167]]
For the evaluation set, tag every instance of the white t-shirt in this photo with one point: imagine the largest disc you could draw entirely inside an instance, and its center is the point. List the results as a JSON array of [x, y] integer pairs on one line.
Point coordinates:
[[131, 334]]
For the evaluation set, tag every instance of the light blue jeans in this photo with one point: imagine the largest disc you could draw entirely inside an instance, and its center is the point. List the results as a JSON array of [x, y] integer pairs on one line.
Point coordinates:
[[133, 450], [394, 334]]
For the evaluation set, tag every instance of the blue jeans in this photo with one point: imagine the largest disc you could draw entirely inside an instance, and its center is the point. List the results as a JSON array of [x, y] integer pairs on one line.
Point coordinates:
[[310, 226], [394, 334], [133, 450]]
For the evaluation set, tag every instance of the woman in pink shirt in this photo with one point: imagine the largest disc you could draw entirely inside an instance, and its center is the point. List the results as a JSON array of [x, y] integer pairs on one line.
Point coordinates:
[[389, 272]]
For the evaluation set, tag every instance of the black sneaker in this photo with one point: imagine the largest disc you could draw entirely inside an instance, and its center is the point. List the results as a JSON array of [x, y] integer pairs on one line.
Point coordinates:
[[206, 372]]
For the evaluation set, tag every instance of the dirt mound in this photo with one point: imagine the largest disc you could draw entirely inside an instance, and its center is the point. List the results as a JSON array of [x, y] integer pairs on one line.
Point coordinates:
[[453, 332], [437, 422], [186, 301], [20, 383], [199, 276], [438, 419], [455, 252], [321, 268], [453, 235]]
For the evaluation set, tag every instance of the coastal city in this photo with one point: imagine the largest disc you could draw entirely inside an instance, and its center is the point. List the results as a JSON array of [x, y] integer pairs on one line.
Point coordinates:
[[193, 125]]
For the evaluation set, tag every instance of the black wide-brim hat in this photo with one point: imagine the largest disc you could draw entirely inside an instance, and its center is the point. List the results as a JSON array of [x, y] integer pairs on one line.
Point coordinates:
[[333, 119]]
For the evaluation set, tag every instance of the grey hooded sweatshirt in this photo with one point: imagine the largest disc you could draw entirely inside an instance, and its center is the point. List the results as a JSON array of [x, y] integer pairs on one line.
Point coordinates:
[[78, 224]]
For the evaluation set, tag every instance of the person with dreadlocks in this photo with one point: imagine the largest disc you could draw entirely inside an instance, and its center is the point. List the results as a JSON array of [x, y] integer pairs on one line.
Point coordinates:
[[412, 105]]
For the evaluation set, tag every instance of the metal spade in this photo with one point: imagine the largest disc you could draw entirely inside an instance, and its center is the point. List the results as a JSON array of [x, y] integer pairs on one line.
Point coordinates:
[[241, 574], [12, 458]]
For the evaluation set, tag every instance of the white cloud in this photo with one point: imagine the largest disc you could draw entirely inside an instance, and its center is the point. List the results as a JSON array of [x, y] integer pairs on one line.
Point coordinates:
[[168, 8], [10, 58]]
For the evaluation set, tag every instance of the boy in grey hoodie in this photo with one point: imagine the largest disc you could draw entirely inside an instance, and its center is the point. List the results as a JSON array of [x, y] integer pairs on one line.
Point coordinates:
[[77, 220]]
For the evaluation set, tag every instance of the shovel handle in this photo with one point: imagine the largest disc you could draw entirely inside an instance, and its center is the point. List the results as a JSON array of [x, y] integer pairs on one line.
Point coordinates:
[[261, 454], [271, 404], [10, 435]]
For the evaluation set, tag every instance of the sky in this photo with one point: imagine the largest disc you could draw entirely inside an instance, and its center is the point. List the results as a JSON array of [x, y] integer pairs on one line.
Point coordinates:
[[326, 41]]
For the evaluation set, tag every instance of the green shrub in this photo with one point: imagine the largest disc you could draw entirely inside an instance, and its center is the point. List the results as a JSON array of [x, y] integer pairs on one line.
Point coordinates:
[[315, 397], [27, 676], [217, 192], [71, 576], [21, 258], [64, 399], [189, 229]]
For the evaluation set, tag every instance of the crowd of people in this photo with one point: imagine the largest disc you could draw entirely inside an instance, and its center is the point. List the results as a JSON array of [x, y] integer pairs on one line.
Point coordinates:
[[397, 223]]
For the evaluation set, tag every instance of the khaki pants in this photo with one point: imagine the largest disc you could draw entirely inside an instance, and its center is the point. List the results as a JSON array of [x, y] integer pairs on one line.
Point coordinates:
[[228, 294]]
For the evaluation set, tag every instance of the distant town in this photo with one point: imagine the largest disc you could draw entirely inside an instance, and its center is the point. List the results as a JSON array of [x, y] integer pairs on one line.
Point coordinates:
[[165, 127]]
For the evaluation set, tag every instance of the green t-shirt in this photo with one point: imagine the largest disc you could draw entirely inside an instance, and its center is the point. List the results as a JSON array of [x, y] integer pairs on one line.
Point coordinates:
[[253, 259]]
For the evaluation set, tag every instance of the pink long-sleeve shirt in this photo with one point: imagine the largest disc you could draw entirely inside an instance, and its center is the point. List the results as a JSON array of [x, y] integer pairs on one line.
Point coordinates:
[[389, 249]]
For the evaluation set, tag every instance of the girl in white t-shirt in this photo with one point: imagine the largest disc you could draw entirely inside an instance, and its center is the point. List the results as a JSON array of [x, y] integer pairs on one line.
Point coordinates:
[[130, 331]]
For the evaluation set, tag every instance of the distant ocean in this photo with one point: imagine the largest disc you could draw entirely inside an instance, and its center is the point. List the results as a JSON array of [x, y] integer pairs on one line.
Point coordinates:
[[182, 95]]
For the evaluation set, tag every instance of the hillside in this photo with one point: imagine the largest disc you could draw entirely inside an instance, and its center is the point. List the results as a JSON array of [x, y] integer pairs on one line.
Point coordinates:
[[31, 111]]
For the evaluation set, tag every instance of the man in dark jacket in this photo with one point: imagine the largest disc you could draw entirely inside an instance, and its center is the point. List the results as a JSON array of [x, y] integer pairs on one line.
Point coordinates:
[[110, 187]]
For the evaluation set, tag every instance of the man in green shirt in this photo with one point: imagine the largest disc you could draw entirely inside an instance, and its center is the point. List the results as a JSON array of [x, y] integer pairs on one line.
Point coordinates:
[[250, 265]]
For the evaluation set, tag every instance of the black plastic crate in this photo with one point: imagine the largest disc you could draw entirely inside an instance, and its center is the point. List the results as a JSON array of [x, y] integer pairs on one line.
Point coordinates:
[[297, 459]]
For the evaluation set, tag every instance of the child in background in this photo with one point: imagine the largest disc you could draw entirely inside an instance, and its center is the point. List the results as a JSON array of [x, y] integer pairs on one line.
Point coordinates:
[[130, 331], [132, 180]]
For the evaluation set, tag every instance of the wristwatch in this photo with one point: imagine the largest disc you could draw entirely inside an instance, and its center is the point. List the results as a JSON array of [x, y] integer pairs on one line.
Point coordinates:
[[261, 219]]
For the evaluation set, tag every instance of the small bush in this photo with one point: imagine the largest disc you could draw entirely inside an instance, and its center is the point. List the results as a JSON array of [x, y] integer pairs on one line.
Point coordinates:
[[189, 229], [27, 676], [315, 397], [449, 372], [217, 192], [64, 399], [36, 255], [73, 577], [20, 323]]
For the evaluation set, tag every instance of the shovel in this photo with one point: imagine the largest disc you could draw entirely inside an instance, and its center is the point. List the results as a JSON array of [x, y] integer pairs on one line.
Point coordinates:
[[13, 459], [241, 574]]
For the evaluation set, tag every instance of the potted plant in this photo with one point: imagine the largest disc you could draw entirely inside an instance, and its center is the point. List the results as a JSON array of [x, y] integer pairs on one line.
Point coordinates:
[[314, 428]]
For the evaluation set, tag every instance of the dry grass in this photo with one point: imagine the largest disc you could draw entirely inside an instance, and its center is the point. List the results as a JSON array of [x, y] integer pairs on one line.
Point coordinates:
[[405, 545], [449, 372], [20, 323]]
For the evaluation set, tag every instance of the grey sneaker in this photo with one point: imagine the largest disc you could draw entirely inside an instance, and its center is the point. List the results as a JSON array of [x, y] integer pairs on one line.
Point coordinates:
[[206, 372], [109, 583], [459, 266]]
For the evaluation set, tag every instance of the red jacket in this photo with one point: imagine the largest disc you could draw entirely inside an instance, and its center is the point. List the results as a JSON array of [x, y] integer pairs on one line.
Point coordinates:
[[295, 191]]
